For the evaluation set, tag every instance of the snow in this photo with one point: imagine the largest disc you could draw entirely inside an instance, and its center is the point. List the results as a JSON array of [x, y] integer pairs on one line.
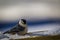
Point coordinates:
[[5, 39]]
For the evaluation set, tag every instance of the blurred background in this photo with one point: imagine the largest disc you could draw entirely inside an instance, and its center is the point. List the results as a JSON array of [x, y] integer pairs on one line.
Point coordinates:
[[40, 14]]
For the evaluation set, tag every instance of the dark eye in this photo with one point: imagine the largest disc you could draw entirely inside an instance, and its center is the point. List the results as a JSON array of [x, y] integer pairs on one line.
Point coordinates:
[[24, 21]]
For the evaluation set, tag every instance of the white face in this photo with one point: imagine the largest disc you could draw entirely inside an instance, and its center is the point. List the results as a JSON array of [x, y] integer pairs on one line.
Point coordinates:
[[22, 23]]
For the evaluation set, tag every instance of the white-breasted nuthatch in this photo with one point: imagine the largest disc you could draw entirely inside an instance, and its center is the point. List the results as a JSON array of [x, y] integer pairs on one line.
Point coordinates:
[[20, 28]]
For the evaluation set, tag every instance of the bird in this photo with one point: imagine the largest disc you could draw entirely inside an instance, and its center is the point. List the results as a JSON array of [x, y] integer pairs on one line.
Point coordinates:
[[20, 28]]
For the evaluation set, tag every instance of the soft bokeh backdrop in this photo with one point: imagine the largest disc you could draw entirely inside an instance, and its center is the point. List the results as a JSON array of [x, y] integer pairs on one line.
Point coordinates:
[[36, 12]]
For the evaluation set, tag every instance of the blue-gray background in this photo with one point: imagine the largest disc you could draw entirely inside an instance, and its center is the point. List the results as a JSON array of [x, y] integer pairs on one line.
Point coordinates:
[[40, 14]]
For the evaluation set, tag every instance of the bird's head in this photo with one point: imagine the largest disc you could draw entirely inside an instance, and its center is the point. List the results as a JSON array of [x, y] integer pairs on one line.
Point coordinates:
[[22, 22]]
